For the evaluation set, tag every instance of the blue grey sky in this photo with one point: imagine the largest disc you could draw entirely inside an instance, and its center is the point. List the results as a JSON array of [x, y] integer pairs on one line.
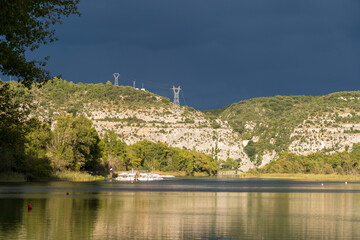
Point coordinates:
[[218, 51]]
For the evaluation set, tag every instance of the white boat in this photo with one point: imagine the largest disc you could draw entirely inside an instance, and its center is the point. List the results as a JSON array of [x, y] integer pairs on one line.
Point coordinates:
[[167, 176], [149, 177], [126, 177], [141, 177]]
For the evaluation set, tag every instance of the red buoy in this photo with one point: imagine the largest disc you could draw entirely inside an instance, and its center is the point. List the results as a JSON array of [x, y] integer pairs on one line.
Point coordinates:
[[29, 207]]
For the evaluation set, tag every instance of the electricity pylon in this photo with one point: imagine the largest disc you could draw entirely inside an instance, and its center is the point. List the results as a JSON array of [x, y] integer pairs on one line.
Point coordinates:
[[176, 97], [116, 76]]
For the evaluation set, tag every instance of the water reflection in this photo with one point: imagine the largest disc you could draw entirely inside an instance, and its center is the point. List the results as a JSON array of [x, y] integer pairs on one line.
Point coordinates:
[[102, 211], [10, 217]]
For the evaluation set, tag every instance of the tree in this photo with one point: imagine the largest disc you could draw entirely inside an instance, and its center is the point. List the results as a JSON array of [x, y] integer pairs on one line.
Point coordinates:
[[229, 164], [14, 109], [36, 164], [22, 141], [25, 25], [114, 151], [75, 144]]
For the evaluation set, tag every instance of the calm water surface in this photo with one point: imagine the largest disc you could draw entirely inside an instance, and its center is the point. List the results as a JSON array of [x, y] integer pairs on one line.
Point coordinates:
[[183, 208]]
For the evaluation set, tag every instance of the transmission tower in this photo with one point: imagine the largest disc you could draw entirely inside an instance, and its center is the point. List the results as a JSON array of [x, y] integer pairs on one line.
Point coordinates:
[[116, 76], [176, 97]]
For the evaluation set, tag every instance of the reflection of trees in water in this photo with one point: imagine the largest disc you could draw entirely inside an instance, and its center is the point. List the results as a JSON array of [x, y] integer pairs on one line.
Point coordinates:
[[50, 218], [11, 214], [265, 216], [226, 215], [182, 215], [71, 217]]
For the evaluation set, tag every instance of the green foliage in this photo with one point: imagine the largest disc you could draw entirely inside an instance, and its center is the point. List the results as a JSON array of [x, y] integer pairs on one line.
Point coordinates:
[[60, 95], [75, 176], [128, 121], [75, 144], [229, 164], [254, 150], [317, 163], [147, 155], [114, 152], [14, 109], [30, 147], [36, 164], [273, 119], [25, 25], [22, 141], [352, 131], [215, 125]]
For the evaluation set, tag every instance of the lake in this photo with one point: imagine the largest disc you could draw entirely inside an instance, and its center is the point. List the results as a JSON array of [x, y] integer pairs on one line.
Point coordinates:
[[181, 208]]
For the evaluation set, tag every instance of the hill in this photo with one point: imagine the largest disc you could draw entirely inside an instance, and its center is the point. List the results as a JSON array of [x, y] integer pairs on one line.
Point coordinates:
[[138, 115], [298, 124], [250, 132]]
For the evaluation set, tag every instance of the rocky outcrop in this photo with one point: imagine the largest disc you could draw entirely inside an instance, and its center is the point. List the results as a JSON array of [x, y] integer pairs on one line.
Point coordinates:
[[326, 133], [194, 131], [183, 129]]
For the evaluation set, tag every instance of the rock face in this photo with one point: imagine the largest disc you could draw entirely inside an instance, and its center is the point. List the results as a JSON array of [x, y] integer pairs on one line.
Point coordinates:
[[190, 130], [327, 133]]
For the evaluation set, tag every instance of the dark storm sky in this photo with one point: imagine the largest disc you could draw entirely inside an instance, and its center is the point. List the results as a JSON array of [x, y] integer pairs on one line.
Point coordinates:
[[218, 51]]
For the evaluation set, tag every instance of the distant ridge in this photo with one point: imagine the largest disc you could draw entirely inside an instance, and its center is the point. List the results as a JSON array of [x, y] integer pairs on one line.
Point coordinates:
[[252, 132]]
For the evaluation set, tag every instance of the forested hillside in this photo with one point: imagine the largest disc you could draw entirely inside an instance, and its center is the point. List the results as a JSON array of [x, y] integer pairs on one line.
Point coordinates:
[[125, 127], [252, 132], [300, 124], [137, 115], [38, 149]]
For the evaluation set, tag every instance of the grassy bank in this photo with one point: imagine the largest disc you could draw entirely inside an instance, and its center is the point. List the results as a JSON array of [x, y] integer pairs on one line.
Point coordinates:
[[59, 176], [12, 177], [334, 177], [75, 176]]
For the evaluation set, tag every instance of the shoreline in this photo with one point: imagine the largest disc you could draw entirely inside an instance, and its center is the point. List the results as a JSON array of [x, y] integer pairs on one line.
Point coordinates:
[[301, 176], [85, 177], [66, 176], [69, 176], [175, 173]]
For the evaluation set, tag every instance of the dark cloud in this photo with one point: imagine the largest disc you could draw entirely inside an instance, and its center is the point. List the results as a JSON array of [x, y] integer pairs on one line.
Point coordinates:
[[218, 51]]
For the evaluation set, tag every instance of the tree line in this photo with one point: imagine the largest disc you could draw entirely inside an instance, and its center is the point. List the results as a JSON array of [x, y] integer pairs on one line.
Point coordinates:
[[343, 163]]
